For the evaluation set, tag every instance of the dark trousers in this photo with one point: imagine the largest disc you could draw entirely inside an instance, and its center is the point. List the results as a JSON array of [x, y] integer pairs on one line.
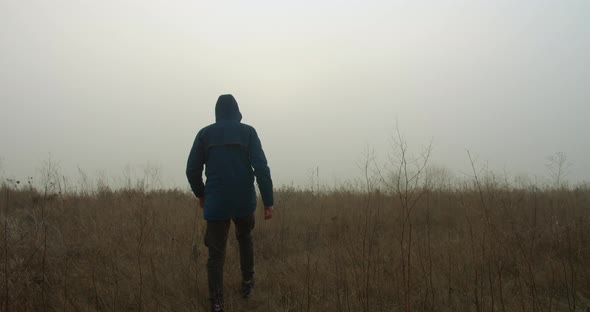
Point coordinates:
[[216, 241]]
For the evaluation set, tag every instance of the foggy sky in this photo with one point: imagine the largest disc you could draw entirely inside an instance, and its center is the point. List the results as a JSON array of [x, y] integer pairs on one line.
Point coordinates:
[[102, 85]]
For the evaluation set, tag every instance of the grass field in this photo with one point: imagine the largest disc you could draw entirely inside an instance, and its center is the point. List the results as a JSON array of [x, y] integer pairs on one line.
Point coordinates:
[[475, 247]]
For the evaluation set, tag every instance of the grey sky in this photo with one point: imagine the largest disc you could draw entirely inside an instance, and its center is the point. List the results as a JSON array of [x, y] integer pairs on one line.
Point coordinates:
[[105, 84]]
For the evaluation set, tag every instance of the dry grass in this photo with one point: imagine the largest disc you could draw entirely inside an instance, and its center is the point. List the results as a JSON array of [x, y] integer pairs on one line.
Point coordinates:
[[342, 250]]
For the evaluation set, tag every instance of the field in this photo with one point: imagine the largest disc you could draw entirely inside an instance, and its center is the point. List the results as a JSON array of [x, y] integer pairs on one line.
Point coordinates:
[[478, 246]]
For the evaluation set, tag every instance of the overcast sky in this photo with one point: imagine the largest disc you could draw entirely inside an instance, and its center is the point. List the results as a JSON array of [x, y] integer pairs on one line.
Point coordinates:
[[102, 85]]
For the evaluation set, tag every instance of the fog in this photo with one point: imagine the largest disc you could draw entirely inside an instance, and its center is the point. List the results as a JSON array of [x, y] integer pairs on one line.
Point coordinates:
[[105, 85]]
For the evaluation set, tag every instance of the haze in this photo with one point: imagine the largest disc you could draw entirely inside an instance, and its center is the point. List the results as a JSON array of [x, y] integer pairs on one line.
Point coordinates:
[[102, 85]]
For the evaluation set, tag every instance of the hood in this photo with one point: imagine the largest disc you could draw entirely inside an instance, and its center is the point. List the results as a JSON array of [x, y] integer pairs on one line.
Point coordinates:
[[227, 108]]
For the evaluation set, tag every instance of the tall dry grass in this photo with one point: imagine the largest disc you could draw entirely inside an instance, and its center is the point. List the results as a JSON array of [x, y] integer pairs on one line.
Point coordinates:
[[482, 246]]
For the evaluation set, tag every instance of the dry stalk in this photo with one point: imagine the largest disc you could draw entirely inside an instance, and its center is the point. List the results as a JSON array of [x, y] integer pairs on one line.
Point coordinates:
[[6, 268]]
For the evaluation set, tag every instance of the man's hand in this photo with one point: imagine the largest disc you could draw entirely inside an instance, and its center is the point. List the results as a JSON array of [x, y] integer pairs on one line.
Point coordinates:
[[268, 212], [202, 202]]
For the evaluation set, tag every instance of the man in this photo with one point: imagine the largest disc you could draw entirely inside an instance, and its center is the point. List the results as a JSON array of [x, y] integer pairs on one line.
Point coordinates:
[[232, 155]]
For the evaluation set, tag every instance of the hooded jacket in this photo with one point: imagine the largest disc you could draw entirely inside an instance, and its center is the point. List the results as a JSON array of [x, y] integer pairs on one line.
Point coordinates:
[[232, 155]]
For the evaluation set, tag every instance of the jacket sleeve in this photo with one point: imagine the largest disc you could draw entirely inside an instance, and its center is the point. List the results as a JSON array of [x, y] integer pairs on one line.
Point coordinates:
[[261, 170], [194, 167]]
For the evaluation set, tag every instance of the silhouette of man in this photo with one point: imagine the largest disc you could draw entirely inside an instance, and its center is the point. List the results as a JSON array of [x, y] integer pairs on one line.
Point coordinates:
[[232, 155]]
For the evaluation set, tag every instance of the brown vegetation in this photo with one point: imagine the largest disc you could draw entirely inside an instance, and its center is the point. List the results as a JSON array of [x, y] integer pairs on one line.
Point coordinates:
[[480, 247]]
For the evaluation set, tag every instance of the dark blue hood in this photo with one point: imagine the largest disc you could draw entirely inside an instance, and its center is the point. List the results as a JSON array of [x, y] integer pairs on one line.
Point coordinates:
[[227, 108]]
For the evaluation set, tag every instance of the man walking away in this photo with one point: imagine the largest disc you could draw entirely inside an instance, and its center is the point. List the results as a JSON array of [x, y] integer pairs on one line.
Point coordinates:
[[232, 155]]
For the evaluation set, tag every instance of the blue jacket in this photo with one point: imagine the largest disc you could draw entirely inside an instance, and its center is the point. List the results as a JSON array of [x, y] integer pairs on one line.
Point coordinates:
[[232, 155]]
